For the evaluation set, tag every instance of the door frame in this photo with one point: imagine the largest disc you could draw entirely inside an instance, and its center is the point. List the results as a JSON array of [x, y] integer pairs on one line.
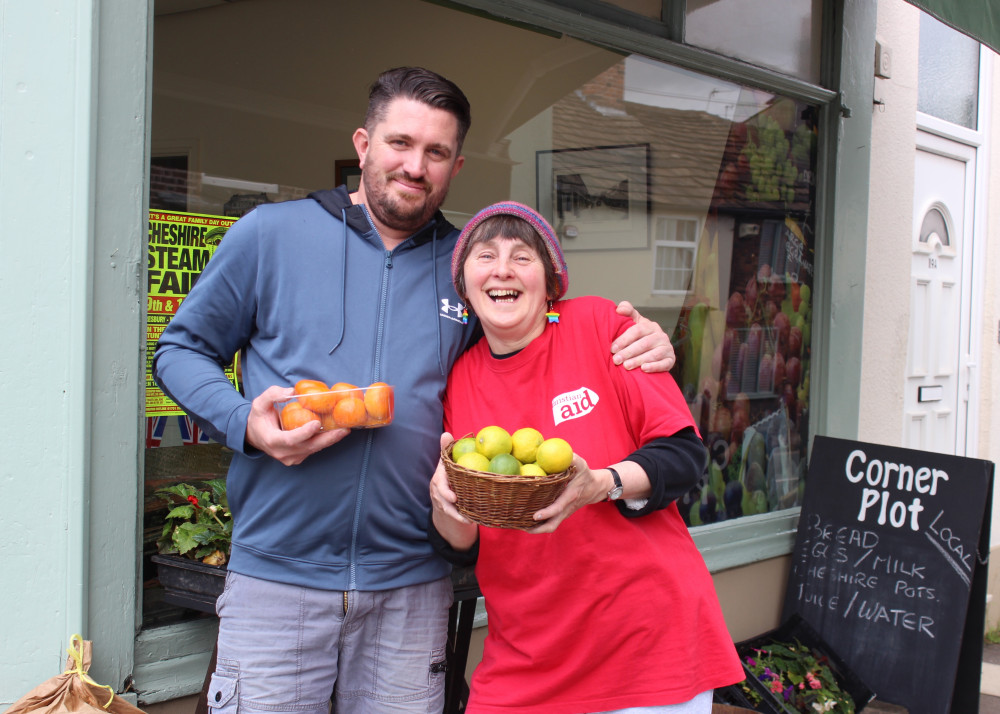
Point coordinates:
[[930, 131]]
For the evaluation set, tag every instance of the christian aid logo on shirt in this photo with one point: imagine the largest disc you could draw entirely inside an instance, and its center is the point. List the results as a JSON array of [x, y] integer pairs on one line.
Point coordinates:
[[573, 405]]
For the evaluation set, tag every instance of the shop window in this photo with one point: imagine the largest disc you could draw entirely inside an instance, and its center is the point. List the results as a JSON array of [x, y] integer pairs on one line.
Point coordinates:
[[703, 187], [675, 252], [189, 215]]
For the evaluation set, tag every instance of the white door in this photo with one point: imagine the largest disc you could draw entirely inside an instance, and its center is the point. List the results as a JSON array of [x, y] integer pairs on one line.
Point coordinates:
[[936, 392]]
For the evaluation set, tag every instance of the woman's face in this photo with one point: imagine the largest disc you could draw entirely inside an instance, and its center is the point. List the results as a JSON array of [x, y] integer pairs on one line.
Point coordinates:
[[505, 285]]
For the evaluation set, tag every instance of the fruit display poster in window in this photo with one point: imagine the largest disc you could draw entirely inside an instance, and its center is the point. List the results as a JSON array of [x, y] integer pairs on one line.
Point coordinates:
[[180, 245], [743, 340]]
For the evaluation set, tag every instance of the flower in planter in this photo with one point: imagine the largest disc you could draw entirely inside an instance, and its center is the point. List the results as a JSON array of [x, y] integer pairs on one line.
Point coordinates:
[[796, 676], [198, 525]]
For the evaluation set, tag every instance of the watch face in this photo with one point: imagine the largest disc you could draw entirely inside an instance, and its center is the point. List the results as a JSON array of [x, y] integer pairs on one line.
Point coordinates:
[[615, 493]]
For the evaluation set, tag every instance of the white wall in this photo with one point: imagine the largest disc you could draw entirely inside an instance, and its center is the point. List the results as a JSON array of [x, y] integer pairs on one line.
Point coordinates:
[[890, 217], [890, 223]]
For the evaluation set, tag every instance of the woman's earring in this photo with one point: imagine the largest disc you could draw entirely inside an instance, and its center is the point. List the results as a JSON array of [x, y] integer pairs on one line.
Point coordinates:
[[552, 316]]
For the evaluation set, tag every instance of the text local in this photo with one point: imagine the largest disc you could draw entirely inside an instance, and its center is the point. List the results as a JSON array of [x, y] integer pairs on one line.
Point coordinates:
[[881, 477]]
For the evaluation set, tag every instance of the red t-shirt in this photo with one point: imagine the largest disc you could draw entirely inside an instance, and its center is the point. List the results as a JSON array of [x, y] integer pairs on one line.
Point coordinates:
[[608, 612]]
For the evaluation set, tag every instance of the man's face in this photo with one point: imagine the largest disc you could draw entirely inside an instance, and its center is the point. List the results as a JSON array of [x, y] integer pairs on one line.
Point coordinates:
[[407, 161]]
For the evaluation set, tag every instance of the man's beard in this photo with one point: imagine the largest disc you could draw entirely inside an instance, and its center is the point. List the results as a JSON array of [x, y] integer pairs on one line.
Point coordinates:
[[397, 213]]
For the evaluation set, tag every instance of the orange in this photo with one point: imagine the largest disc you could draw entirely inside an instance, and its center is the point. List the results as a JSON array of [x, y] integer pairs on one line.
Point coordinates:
[[295, 415], [379, 401], [350, 412], [314, 396], [346, 389], [327, 421]]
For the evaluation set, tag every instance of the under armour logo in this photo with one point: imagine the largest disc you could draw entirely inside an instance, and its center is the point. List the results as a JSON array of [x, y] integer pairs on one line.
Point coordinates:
[[452, 312]]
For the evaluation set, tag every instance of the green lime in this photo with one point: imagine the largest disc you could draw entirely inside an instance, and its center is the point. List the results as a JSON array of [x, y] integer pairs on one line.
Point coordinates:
[[505, 464], [463, 446]]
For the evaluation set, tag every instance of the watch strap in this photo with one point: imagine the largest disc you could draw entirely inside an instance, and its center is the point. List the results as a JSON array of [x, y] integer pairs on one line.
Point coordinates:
[[615, 493]]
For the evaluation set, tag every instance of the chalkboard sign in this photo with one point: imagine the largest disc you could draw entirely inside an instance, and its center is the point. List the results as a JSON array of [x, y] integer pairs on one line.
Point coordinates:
[[891, 544]]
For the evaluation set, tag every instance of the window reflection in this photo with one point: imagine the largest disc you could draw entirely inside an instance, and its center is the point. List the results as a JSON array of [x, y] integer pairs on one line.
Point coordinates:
[[690, 196], [781, 34], [727, 173]]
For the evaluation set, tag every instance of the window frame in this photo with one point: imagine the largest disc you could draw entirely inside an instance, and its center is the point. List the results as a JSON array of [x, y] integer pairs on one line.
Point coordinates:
[[842, 180], [658, 243]]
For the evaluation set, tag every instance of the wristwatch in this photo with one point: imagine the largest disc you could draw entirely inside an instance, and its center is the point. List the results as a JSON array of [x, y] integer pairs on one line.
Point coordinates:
[[615, 493]]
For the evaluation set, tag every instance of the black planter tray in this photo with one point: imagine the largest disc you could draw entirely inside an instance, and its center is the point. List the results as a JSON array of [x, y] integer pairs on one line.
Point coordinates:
[[190, 583], [795, 628]]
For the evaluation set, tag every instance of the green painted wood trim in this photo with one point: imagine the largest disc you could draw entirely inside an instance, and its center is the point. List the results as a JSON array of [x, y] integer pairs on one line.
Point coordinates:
[[556, 17], [842, 209], [116, 368], [750, 539], [172, 661]]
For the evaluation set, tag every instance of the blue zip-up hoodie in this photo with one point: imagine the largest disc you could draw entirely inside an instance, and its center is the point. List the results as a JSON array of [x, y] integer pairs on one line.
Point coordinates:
[[308, 290]]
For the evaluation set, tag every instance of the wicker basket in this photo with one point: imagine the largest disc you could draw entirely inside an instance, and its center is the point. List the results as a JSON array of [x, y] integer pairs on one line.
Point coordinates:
[[502, 501]]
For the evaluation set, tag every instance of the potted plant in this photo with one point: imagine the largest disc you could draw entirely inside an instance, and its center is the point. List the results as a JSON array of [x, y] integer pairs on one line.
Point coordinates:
[[791, 670], [193, 547]]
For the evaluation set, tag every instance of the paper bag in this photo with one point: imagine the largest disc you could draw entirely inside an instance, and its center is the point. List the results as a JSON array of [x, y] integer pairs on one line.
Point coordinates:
[[73, 691]]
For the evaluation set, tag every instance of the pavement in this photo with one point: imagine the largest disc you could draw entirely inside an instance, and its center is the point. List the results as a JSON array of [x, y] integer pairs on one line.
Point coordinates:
[[989, 686]]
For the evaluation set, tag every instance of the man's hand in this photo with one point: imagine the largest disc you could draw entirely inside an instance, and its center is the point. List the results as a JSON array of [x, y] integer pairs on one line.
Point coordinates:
[[289, 447], [644, 345]]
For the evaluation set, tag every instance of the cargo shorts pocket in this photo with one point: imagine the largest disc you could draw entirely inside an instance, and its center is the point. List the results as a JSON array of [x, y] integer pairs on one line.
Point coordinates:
[[223, 692]]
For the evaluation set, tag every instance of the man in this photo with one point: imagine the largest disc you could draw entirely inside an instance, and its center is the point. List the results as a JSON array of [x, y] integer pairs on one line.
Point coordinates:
[[332, 584]]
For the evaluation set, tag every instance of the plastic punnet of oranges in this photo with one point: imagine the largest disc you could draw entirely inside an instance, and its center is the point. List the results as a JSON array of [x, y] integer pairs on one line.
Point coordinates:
[[525, 452], [341, 405]]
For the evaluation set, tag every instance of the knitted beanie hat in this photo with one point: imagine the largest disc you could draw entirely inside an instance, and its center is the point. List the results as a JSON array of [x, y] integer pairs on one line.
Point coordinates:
[[535, 219]]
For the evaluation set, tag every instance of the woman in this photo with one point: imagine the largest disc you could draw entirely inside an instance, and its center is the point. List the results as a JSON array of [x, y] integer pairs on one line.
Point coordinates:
[[607, 605]]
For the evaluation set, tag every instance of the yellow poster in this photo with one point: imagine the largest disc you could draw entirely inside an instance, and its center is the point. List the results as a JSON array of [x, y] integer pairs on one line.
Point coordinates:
[[180, 245]]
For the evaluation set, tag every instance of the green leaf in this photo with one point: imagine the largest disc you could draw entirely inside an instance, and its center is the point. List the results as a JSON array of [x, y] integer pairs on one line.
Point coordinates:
[[182, 512], [185, 536]]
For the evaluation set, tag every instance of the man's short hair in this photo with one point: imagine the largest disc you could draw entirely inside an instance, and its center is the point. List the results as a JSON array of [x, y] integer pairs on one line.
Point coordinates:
[[420, 85]]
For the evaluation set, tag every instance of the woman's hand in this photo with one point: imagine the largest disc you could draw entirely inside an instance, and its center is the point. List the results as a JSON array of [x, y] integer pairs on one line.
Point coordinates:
[[645, 344], [459, 531], [584, 488]]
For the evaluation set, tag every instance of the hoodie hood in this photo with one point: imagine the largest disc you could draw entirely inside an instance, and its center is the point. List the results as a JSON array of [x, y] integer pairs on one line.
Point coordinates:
[[337, 202]]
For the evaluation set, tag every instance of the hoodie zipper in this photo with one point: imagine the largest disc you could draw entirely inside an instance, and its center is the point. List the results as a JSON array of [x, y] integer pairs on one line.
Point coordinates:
[[377, 370]]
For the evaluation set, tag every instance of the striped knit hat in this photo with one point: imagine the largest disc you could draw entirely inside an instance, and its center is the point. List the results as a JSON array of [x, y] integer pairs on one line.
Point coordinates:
[[518, 210]]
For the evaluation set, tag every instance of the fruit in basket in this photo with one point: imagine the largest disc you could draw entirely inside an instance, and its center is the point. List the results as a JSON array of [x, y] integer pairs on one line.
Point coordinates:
[[315, 396], [525, 443], [378, 401], [465, 445], [295, 415], [474, 461], [493, 440], [505, 465], [554, 455], [532, 470]]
